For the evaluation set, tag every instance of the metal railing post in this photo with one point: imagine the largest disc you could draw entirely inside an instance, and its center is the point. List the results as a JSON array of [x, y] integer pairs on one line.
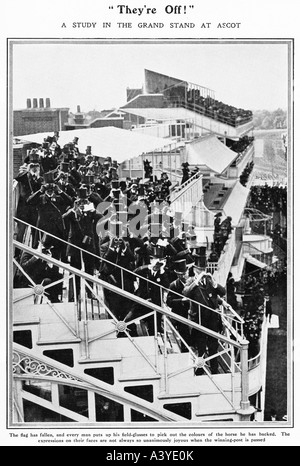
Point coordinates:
[[246, 410]]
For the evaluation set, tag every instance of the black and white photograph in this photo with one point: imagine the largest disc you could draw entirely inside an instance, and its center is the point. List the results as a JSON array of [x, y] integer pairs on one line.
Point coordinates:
[[149, 232]]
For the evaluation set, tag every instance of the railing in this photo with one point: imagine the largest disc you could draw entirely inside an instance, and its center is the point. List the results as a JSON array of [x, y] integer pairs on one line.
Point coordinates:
[[232, 322], [122, 270], [263, 257], [185, 196], [225, 259], [27, 366]]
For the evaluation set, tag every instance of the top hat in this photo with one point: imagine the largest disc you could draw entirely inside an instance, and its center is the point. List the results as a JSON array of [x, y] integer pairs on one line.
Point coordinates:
[[178, 245], [218, 214], [75, 140], [180, 266], [34, 156], [82, 193], [88, 179], [49, 177], [88, 150], [115, 184], [185, 254], [64, 167], [107, 159], [157, 252]]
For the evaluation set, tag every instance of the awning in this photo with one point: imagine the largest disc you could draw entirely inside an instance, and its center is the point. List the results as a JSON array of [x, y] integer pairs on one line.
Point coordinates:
[[235, 204], [211, 152], [119, 144], [252, 260]]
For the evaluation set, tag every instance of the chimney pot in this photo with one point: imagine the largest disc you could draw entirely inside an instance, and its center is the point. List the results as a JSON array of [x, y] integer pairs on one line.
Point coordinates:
[[78, 108], [41, 103], [28, 103], [48, 102], [35, 104]]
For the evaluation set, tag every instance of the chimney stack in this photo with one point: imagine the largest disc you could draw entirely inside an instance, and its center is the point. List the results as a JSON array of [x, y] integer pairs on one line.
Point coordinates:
[[35, 103], [48, 102], [28, 103], [41, 103]]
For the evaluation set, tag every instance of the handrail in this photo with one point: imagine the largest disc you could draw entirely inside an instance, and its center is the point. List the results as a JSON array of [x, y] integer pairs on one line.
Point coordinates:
[[162, 288], [126, 294], [178, 190]]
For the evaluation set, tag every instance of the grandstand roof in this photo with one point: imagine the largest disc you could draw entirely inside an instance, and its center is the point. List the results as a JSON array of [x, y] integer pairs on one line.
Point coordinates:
[[120, 144]]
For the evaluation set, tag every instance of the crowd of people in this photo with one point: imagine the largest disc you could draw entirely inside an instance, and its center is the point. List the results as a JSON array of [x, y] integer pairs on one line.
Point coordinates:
[[82, 214], [208, 105], [269, 198]]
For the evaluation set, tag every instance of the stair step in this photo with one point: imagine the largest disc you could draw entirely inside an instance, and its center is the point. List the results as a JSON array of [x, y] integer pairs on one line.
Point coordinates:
[[140, 377], [58, 342], [116, 358], [26, 322], [166, 396]]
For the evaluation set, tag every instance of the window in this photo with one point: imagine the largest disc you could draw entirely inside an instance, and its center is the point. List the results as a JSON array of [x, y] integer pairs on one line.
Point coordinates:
[[36, 413], [73, 398], [108, 410], [38, 388]]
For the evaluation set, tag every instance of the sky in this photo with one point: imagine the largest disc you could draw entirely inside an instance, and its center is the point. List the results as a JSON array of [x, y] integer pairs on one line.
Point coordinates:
[[95, 75]]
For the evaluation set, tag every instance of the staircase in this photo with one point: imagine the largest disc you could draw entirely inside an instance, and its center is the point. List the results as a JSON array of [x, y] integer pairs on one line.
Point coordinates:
[[84, 338]]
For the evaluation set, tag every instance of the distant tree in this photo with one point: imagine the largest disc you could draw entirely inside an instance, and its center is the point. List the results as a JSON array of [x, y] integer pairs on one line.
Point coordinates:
[[266, 123]]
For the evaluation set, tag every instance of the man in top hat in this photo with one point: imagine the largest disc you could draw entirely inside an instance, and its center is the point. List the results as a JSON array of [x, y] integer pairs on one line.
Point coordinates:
[[117, 254], [63, 180], [29, 182], [217, 222], [80, 223], [178, 303], [32, 156], [153, 277], [75, 146], [51, 202], [203, 289], [48, 159]]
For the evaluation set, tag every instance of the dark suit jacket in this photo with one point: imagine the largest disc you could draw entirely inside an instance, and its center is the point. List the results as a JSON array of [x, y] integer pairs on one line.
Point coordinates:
[[210, 297], [79, 226], [149, 289], [50, 211], [174, 301]]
